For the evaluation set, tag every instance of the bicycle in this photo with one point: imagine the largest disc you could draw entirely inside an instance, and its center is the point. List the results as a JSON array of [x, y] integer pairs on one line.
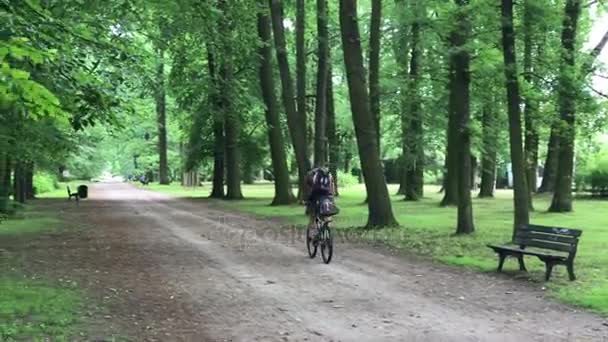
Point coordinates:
[[323, 238]]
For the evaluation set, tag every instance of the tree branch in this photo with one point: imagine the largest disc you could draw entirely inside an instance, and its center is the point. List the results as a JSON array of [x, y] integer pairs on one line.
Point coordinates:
[[598, 92]]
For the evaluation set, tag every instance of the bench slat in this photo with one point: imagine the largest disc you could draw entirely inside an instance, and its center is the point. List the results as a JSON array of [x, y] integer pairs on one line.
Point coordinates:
[[528, 234], [552, 230], [516, 249], [544, 244]]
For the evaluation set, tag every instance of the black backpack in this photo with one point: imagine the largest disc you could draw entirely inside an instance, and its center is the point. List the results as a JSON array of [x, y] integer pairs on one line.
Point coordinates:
[[321, 180]]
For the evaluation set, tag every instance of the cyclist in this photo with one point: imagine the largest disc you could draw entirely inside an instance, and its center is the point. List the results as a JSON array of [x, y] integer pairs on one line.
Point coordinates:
[[320, 189]]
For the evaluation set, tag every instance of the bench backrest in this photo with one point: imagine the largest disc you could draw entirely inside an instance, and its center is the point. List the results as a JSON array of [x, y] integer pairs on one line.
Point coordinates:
[[554, 238]]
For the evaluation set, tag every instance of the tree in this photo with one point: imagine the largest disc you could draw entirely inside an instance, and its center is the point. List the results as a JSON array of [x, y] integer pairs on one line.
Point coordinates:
[[460, 95], [282, 188], [530, 103], [301, 74], [414, 156], [295, 120], [374, 65], [217, 190], [562, 197], [161, 112], [320, 150], [232, 129], [488, 156], [380, 210], [520, 188]]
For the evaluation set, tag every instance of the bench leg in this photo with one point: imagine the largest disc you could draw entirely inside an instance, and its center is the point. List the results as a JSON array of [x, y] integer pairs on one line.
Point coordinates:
[[570, 266], [501, 261], [522, 266], [548, 268]]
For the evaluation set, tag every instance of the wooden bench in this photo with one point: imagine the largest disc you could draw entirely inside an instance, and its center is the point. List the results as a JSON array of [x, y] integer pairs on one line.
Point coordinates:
[[72, 194], [552, 245]]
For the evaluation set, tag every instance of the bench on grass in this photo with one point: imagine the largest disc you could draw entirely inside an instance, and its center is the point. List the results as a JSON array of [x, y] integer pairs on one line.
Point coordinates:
[[72, 194], [552, 245]]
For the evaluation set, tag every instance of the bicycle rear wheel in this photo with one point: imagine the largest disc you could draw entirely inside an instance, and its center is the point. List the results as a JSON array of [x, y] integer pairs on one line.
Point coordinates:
[[327, 244], [311, 246]]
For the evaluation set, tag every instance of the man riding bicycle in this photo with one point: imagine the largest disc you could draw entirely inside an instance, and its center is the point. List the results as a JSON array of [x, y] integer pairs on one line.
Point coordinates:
[[320, 189]]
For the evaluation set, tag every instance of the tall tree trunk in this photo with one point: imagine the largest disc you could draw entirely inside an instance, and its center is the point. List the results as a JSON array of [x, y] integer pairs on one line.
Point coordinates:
[[521, 196], [415, 157], [161, 108], [232, 131], [379, 204], [321, 97], [374, 65], [488, 155], [550, 168], [5, 181], [562, 197], [460, 61], [29, 180], [402, 48], [332, 134], [530, 104], [282, 188], [551, 162], [295, 121], [219, 148], [452, 162], [19, 182], [302, 108]]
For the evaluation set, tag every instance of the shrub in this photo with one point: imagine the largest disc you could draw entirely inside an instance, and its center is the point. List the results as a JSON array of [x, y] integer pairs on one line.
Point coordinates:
[[45, 182], [598, 176], [346, 179]]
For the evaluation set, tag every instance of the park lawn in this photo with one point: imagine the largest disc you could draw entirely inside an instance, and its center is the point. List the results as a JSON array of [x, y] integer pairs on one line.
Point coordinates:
[[34, 310], [427, 229]]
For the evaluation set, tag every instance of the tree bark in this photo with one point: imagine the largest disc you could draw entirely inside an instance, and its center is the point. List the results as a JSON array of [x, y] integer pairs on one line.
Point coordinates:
[[530, 104], [302, 113], [282, 188], [232, 132], [402, 49], [520, 188], [562, 197], [374, 65], [332, 134], [29, 181], [295, 121], [550, 168], [379, 205], [217, 190], [161, 108], [19, 182], [488, 155], [320, 154], [450, 180], [415, 155], [5, 181], [460, 61]]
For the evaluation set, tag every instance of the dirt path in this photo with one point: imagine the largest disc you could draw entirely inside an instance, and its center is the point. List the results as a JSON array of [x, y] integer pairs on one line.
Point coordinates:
[[176, 270]]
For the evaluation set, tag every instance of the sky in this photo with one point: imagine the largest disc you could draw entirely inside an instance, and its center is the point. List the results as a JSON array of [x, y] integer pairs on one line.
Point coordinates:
[[599, 28]]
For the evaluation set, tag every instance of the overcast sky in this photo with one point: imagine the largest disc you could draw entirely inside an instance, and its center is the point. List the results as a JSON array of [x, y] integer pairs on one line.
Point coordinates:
[[599, 29]]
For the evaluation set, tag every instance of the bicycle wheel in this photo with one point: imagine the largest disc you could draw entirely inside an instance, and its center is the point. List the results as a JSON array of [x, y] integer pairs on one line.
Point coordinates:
[[327, 244], [310, 245]]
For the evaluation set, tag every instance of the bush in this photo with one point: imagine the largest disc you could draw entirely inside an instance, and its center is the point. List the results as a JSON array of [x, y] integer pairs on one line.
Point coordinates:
[[598, 177], [346, 179], [45, 182]]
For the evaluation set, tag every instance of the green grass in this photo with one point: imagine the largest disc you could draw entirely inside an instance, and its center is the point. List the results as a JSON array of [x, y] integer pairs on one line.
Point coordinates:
[[426, 229], [36, 311], [33, 310], [34, 223]]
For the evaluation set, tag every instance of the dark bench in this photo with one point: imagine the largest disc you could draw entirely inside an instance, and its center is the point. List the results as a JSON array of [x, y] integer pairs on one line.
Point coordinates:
[[72, 194], [552, 245]]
